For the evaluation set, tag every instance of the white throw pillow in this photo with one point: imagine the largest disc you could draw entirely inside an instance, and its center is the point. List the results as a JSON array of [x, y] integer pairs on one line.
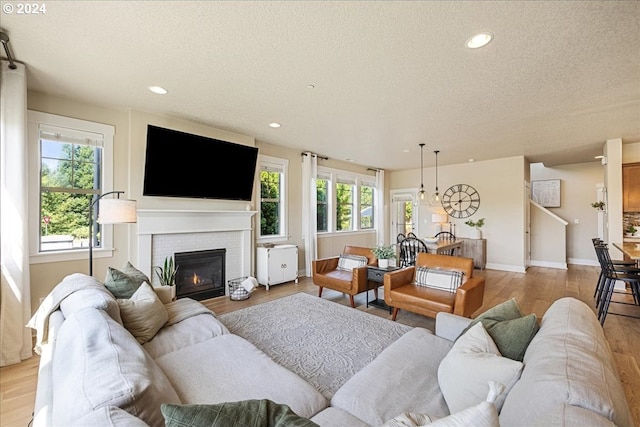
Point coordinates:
[[472, 362], [437, 278], [349, 262], [143, 314], [482, 415]]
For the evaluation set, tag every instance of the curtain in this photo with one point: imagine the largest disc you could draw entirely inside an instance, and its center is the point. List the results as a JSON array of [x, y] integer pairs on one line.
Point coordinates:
[[379, 214], [309, 211], [15, 297]]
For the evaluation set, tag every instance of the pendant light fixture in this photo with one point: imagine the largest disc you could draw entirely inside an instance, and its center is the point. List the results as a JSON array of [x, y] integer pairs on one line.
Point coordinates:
[[421, 194], [435, 197]]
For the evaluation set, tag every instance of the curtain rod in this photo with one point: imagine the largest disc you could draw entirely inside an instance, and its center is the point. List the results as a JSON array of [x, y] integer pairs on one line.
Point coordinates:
[[4, 38], [314, 154]]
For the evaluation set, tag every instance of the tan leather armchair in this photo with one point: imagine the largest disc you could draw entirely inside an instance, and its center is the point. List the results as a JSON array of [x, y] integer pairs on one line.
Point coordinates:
[[326, 274], [401, 293]]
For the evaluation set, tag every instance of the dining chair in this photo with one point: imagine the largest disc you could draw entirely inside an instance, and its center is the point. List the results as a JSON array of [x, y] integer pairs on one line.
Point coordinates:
[[446, 235], [409, 249]]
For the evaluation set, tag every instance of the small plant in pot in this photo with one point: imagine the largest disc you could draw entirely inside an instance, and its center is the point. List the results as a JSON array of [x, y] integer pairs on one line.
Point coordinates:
[[477, 233], [599, 205], [167, 276], [631, 230], [384, 254]]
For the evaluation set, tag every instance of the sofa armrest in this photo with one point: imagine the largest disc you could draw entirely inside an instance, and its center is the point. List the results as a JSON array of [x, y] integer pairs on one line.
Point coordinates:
[[469, 297], [359, 280], [324, 265], [450, 326], [398, 278]]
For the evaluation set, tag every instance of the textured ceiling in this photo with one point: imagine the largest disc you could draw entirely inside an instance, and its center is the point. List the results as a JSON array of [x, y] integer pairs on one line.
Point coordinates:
[[558, 79]]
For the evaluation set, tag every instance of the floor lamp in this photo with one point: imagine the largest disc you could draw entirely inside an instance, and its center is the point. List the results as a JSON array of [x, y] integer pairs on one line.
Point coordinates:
[[110, 211]]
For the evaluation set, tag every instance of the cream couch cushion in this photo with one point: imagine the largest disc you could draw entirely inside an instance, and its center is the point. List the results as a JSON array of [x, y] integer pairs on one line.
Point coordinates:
[[101, 299], [98, 363], [568, 362], [229, 368], [336, 417], [403, 378]]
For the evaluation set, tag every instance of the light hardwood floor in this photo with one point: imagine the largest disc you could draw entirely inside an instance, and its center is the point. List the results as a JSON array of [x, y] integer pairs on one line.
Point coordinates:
[[535, 291]]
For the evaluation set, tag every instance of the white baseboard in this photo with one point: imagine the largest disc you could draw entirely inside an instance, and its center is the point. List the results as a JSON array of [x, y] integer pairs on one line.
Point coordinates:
[[506, 267], [548, 264], [580, 261]]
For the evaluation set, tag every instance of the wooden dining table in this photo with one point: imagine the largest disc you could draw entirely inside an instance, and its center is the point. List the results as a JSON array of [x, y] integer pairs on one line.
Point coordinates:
[[630, 250], [444, 246]]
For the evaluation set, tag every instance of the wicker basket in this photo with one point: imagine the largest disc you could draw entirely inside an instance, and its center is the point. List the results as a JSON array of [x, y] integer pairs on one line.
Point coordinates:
[[236, 291]]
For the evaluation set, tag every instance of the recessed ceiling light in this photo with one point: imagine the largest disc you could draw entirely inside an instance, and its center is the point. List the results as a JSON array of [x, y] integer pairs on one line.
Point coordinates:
[[405, 151], [311, 86], [159, 90], [479, 40], [598, 157], [472, 160], [274, 125]]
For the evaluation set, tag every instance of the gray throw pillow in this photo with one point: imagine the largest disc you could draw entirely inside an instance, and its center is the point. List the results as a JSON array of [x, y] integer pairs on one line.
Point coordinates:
[[256, 413], [509, 328], [123, 284]]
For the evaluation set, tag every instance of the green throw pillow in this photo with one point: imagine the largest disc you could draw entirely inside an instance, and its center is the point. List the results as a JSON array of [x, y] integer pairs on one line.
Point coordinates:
[[123, 284], [247, 413], [509, 328], [135, 273]]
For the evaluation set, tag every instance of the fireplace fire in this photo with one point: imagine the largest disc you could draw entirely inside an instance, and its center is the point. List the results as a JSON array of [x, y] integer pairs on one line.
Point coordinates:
[[201, 274]]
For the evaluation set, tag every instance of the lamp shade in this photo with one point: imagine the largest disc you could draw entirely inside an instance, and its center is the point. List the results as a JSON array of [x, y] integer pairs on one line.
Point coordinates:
[[116, 211], [438, 218]]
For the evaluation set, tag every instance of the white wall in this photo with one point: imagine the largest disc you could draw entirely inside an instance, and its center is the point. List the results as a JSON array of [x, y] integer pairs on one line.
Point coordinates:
[[500, 183], [578, 183]]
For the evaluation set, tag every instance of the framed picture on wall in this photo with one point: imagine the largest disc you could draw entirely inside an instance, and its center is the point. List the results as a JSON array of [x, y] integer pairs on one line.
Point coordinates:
[[546, 192]]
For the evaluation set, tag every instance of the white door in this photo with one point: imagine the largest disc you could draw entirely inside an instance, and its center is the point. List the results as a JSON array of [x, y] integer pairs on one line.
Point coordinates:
[[403, 214]]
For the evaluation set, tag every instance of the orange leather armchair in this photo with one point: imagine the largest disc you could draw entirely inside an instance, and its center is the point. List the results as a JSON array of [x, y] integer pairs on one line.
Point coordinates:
[[400, 291], [326, 274]]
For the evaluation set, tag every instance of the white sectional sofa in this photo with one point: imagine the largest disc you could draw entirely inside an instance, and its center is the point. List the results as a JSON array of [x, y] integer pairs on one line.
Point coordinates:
[[94, 372]]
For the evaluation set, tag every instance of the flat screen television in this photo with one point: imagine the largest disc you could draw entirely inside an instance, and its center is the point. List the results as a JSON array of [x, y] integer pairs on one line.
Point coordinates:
[[180, 164]]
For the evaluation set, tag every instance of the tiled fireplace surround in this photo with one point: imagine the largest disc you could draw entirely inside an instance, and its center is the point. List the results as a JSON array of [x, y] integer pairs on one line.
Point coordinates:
[[162, 233]]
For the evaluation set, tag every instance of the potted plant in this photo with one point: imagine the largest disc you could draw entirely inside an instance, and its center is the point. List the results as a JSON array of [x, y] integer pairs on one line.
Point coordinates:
[[599, 205], [167, 276], [384, 254], [630, 230], [476, 233]]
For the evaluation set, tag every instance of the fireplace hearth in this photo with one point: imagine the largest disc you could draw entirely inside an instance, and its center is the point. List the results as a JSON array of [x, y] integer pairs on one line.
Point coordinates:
[[201, 274]]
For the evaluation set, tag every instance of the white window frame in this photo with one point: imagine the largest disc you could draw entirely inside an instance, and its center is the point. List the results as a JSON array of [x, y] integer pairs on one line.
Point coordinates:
[[281, 165], [372, 184], [35, 120], [338, 175]]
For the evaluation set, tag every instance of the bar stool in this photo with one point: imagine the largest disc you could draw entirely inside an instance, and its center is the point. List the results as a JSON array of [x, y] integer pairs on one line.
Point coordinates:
[[612, 273], [621, 263]]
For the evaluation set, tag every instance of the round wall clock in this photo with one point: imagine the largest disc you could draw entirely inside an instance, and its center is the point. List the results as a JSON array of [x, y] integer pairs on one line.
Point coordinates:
[[461, 201]]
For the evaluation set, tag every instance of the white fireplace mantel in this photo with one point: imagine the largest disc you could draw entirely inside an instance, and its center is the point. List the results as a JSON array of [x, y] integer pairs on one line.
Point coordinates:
[[154, 222]]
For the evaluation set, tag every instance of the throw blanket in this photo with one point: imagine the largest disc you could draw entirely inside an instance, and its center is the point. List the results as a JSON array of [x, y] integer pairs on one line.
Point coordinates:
[[70, 284], [184, 308], [247, 413]]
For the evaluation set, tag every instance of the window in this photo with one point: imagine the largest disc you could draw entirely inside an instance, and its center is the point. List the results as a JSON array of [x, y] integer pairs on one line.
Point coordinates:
[[322, 203], [366, 206], [345, 201], [70, 167], [272, 198], [344, 204]]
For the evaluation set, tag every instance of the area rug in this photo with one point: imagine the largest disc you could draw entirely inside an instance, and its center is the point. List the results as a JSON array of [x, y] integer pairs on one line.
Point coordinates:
[[321, 341]]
